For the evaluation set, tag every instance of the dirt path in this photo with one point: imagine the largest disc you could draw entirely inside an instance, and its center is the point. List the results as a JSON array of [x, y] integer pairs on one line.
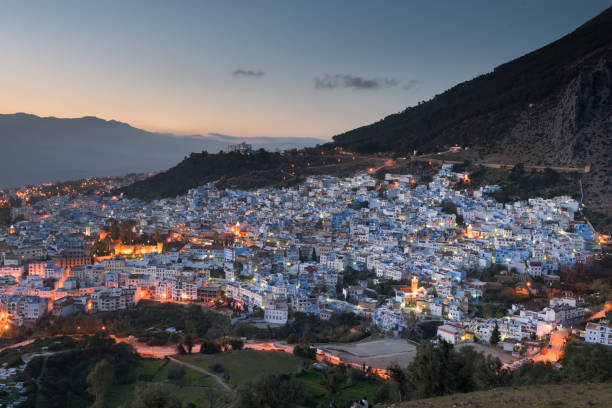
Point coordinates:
[[429, 158], [40, 376], [20, 344], [218, 379]]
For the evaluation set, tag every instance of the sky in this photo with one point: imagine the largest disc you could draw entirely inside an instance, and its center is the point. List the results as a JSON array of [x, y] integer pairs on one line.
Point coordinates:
[[259, 68]]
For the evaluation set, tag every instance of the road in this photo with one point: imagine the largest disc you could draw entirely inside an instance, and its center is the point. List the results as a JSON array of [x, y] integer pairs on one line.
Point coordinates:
[[549, 354], [151, 351], [556, 344], [602, 313], [429, 158], [20, 344], [387, 163]]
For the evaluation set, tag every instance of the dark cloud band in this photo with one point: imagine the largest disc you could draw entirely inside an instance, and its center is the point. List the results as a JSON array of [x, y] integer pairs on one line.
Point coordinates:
[[353, 82], [248, 73]]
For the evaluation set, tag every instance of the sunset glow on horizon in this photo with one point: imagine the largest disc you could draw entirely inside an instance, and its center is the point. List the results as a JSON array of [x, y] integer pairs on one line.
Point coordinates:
[[270, 69]]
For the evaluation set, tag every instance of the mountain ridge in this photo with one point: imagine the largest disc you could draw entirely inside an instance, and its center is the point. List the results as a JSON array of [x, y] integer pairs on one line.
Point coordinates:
[[549, 107], [39, 149]]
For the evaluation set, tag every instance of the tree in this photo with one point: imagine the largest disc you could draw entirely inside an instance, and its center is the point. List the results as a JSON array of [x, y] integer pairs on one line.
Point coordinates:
[[188, 342], [180, 349], [332, 381], [314, 254], [382, 394], [292, 338], [271, 391], [155, 396], [495, 335], [587, 362], [100, 380], [212, 396], [400, 378], [517, 171], [237, 344], [429, 369], [305, 351]]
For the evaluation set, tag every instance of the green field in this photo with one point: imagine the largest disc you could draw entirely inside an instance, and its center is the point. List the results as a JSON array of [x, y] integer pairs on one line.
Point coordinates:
[[351, 390], [242, 366], [246, 365], [190, 388], [546, 396]]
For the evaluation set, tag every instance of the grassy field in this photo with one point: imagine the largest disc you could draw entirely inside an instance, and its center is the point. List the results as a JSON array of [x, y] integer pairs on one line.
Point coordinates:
[[351, 390], [242, 366], [190, 388], [239, 367], [245, 365], [547, 396]]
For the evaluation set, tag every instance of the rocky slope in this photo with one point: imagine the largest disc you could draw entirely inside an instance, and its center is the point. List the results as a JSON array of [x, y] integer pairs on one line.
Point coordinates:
[[550, 107]]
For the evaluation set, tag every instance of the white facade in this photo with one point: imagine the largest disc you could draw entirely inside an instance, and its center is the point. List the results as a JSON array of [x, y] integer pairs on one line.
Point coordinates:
[[276, 316], [599, 333]]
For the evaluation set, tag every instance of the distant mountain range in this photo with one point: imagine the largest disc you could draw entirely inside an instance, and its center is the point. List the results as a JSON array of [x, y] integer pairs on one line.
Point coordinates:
[[37, 150], [551, 107]]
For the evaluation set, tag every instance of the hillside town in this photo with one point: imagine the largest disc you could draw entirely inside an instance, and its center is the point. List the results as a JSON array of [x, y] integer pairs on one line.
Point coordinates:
[[392, 250]]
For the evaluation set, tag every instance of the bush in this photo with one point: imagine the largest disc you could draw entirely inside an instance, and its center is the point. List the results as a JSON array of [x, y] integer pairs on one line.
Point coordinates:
[[217, 367], [236, 344], [14, 361], [155, 395], [272, 391], [305, 351], [34, 367], [210, 347], [382, 394], [176, 373]]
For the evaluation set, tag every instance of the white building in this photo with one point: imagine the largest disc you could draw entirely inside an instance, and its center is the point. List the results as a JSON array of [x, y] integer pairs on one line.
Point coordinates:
[[451, 334], [276, 314], [599, 333]]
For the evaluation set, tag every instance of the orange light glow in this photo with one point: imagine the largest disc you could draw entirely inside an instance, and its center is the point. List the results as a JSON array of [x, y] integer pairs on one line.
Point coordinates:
[[415, 285], [468, 233], [137, 249]]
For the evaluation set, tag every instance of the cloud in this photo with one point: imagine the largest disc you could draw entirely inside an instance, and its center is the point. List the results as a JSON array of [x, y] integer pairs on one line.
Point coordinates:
[[248, 73], [353, 82], [410, 84]]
